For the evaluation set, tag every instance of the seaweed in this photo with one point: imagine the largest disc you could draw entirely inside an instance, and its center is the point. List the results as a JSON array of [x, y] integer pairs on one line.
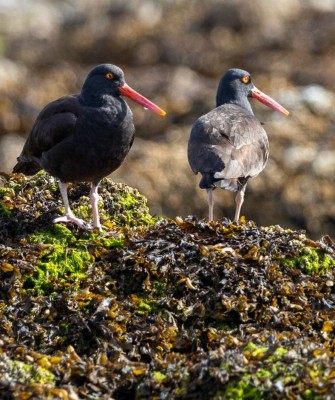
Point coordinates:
[[157, 308]]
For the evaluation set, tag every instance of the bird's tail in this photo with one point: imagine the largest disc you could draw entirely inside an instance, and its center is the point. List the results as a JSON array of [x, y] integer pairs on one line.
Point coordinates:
[[211, 180], [26, 167]]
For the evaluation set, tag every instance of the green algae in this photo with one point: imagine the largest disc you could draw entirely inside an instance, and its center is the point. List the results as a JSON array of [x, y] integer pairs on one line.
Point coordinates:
[[158, 376], [4, 191], [280, 351], [148, 306], [22, 372], [4, 210], [130, 203], [241, 390], [255, 350], [122, 302], [311, 261], [272, 371], [39, 196], [121, 206], [143, 306], [65, 257], [125, 206]]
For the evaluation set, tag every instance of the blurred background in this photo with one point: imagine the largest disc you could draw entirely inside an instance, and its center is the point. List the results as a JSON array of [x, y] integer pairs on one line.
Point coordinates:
[[174, 52]]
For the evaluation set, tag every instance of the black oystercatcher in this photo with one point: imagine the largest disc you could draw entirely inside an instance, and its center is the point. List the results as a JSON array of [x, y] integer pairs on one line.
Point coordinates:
[[229, 145], [84, 137]]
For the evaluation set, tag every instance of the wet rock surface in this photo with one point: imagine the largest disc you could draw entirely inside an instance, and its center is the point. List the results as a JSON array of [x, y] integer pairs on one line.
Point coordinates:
[[157, 308]]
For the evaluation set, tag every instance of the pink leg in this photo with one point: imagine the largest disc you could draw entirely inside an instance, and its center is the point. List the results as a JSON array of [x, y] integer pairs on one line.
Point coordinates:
[[210, 198], [239, 199], [69, 217], [94, 197]]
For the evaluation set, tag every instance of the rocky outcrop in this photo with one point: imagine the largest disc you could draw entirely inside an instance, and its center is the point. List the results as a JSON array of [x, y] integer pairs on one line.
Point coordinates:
[[174, 52], [152, 307]]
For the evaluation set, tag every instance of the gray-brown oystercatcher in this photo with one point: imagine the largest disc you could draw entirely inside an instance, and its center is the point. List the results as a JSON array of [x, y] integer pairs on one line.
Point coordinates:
[[228, 146]]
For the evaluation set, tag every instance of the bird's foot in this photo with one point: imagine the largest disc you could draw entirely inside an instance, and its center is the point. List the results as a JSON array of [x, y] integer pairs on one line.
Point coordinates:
[[77, 221], [99, 228]]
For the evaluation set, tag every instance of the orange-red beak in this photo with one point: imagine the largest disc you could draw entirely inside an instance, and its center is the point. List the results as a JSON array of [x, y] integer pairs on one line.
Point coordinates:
[[265, 99], [127, 91]]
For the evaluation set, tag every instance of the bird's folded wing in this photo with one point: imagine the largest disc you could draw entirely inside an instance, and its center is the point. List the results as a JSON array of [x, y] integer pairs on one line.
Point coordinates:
[[55, 123], [229, 144]]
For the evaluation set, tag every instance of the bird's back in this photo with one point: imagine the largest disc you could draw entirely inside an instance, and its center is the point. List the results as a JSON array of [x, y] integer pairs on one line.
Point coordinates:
[[76, 142], [54, 123], [227, 146]]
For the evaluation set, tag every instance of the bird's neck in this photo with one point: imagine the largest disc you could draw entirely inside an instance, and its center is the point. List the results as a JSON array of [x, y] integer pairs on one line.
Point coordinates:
[[242, 102], [92, 99]]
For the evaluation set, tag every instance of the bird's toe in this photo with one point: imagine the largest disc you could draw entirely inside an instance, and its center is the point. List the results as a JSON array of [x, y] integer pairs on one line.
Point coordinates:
[[77, 221]]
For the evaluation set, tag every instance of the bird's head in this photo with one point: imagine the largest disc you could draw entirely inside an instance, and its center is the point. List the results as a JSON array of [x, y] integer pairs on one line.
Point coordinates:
[[236, 86], [108, 80]]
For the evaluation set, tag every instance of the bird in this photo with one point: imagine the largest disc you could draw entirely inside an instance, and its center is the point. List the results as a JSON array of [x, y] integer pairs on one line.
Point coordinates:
[[85, 136], [228, 145]]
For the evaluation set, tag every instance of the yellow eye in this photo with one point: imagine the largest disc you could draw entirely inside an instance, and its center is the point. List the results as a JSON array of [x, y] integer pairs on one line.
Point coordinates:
[[109, 75], [246, 79]]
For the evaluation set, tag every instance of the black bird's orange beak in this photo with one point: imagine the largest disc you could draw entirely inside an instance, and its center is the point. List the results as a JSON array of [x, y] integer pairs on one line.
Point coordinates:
[[127, 91], [265, 99]]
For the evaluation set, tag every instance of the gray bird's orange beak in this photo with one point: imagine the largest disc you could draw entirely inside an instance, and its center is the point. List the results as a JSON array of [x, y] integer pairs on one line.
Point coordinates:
[[265, 99], [127, 91]]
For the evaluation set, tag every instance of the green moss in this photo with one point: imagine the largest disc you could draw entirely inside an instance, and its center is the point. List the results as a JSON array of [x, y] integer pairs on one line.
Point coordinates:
[[84, 211], [130, 204], [104, 242], [226, 326], [147, 306], [4, 211], [280, 351], [129, 207], [309, 394], [65, 257], [159, 288], [4, 191], [144, 306], [311, 261], [242, 390], [127, 200], [22, 372], [58, 235], [158, 376], [273, 368], [60, 260], [255, 350]]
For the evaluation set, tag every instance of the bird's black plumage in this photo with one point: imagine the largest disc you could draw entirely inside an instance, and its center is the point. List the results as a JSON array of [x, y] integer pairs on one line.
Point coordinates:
[[228, 146], [86, 136], [81, 137]]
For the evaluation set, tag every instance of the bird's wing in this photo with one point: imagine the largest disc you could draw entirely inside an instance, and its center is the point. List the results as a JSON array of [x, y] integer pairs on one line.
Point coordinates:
[[228, 143], [54, 124]]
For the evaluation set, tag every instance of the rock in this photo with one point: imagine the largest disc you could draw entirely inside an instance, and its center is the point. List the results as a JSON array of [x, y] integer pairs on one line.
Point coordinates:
[[156, 307], [174, 53]]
